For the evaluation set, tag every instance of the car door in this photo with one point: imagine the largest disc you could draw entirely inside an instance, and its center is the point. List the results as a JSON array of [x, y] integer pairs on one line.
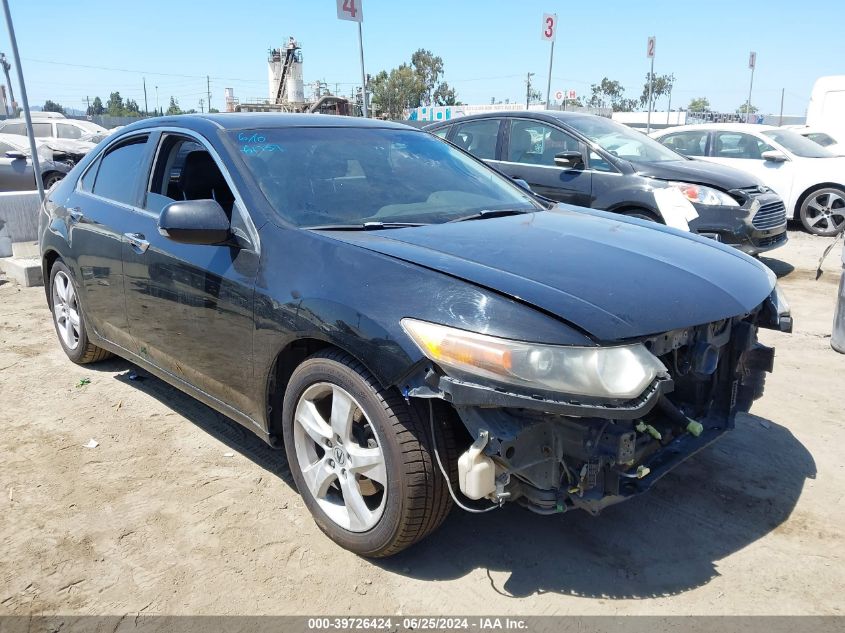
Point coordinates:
[[744, 151], [16, 174], [99, 212], [528, 152], [190, 306]]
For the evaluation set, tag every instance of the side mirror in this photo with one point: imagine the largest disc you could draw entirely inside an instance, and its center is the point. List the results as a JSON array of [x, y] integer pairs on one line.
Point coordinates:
[[569, 159], [195, 222], [15, 154], [774, 156], [522, 183]]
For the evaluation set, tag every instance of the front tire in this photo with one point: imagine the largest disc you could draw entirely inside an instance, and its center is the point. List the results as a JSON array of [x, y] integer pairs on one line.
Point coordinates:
[[823, 211], [362, 458], [68, 319]]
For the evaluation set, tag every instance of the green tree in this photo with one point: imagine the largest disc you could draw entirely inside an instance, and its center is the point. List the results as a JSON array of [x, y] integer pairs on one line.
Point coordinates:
[[398, 91], [610, 93], [662, 85], [746, 107], [52, 106], [115, 104], [131, 108], [699, 104], [97, 107], [429, 67], [445, 95], [173, 108]]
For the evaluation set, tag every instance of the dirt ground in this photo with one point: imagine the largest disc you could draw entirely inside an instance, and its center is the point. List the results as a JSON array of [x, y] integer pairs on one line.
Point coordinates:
[[180, 511]]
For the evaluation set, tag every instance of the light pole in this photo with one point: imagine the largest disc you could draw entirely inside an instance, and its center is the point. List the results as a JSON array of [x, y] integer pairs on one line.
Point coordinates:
[[158, 110], [652, 44], [752, 62], [528, 89]]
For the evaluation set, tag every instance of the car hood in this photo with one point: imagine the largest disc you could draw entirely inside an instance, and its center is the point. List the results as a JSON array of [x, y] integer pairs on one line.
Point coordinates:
[[611, 278], [699, 172]]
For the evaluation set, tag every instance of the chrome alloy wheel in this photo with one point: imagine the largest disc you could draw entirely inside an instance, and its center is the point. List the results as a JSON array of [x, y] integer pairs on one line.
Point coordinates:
[[340, 457], [66, 310], [825, 211]]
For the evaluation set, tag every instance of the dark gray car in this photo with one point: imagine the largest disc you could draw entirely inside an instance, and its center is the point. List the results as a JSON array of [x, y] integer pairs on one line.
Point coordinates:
[[590, 161], [16, 172]]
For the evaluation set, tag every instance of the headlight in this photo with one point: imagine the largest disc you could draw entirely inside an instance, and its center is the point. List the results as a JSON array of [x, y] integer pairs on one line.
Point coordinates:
[[610, 372], [704, 195]]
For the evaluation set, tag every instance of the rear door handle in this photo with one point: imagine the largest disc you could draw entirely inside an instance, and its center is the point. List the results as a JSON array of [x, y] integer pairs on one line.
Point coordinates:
[[137, 241], [75, 214]]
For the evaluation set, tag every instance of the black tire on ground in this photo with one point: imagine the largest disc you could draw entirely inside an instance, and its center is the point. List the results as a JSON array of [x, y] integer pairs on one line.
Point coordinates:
[[85, 351], [417, 498], [822, 211], [642, 214]]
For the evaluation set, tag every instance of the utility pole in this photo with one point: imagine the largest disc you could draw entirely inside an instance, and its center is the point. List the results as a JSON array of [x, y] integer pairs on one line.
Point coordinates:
[[6, 67], [528, 89], [208, 90], [88, 111], [27, 117], [146, 107], [157, 108], [780, 118]]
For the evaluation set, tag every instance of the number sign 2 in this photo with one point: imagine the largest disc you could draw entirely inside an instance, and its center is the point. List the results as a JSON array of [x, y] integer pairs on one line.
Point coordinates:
[[549, 27], [350, 10]]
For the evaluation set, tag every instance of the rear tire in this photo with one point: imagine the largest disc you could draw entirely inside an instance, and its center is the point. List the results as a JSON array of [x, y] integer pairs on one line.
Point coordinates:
[[69, 320], [51, 178], [373, 488]]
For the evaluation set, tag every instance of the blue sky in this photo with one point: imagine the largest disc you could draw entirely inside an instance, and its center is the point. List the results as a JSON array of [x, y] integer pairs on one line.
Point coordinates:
[[487, 46]]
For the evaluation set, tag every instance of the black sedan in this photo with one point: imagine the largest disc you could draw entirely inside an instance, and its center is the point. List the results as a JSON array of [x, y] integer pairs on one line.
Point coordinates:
[[592, 161], [409, 324]]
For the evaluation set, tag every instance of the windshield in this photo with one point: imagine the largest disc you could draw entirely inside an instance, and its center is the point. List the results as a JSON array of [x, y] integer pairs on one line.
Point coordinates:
[[622, 141], [797, 144], [337, 175]]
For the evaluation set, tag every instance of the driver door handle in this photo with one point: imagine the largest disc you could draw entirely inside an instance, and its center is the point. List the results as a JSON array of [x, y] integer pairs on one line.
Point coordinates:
[[137, 241]]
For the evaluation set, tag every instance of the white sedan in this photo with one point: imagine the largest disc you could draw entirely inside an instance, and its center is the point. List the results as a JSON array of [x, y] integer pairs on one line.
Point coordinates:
[[809, 178]]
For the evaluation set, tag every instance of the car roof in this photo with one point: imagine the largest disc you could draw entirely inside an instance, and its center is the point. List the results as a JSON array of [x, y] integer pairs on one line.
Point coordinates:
[[739, 127], [549, 116], [265, 120]]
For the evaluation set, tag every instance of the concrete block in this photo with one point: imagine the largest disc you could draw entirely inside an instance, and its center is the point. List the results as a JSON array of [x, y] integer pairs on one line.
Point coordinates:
[[19, 213], [26, 271], [28, 250]]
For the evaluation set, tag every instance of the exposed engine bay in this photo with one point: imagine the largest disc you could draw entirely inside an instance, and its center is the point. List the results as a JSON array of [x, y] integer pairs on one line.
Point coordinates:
[[553, 455]]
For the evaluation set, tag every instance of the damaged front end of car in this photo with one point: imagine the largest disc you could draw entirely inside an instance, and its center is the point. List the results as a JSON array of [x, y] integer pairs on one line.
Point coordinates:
[[559, 428]]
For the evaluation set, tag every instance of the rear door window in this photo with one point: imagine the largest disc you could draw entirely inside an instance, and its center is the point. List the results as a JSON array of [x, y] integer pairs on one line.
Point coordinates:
[[42, 130], [117, 176], [479, 138], [691, 143]]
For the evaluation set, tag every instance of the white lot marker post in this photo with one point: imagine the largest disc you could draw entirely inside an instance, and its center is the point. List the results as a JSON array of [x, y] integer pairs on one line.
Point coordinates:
[[24, 101], [652, 43], [752, 62], [548, 33], [353, 11]]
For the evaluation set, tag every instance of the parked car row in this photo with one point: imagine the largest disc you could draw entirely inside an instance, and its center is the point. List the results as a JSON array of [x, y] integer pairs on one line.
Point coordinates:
[[412, 325], [590, 161], [809, 177]]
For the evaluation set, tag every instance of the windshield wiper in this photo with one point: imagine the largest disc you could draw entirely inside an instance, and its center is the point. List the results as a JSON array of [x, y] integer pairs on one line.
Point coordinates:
[[491, 213], [366, 226]]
